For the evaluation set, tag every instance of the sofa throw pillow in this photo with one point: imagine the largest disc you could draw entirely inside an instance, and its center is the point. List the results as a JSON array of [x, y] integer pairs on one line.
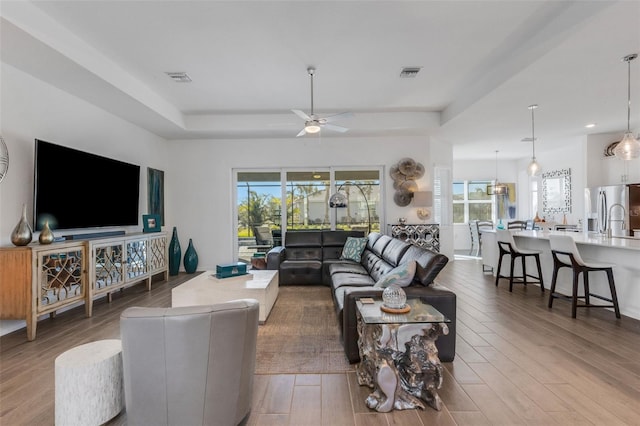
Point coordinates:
[[401, 275], [353, 249]]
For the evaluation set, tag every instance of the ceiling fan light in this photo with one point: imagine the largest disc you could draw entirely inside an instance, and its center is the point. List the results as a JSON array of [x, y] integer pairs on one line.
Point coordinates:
[[628, 148], [312, 128], [534, 168]]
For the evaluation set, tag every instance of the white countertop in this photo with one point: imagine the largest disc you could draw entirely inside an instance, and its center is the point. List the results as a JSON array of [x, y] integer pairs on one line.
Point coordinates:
[[585, 238], [624, 253]]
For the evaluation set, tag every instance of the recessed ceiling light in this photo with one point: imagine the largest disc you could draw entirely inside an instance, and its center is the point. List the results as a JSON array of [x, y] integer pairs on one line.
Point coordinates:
[[590, 125], [179, 77]]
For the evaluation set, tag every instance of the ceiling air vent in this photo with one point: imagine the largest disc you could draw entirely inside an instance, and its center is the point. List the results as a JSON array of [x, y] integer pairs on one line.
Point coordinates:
[[409, 72], [179, 77]]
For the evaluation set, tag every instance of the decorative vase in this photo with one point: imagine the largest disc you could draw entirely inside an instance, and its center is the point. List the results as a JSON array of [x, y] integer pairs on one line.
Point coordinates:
[[190, 258], [46, 235], [175, 253], [22, 234], [394, 297]]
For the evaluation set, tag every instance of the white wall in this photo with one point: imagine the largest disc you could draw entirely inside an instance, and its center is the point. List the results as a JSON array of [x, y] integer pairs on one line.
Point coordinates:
[[208, 187], [608, 170], [571, 154], [32, 109]]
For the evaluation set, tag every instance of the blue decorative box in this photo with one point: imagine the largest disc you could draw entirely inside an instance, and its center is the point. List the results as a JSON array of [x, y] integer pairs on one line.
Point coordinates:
[[231, 270]]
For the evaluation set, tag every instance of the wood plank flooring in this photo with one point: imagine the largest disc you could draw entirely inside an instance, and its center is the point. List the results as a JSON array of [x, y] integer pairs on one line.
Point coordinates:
[[517, 363]]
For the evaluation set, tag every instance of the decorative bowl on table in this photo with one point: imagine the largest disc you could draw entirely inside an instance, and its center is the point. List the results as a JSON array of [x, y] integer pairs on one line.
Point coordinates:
[[394, 297]]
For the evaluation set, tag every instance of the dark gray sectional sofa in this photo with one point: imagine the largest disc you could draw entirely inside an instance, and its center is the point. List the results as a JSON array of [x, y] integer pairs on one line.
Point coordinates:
[[306, 256], [351, 280]]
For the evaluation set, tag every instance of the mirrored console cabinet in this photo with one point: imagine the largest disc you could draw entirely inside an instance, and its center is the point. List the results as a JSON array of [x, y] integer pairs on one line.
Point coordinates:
[[121, 261], [40, 279]]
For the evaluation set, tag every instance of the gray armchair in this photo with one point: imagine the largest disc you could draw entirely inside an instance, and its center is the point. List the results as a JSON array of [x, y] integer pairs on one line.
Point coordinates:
[[189, 365]]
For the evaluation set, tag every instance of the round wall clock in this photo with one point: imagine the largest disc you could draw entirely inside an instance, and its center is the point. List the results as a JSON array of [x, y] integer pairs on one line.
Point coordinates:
[[4, 159]]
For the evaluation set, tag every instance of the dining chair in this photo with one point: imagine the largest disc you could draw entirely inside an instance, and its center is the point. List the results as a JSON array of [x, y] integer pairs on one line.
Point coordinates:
[[475, 238], [483, 226], [517, 225]]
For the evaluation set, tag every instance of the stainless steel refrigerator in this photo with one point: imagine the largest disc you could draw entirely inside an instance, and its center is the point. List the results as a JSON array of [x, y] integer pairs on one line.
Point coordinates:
[[608, 207]]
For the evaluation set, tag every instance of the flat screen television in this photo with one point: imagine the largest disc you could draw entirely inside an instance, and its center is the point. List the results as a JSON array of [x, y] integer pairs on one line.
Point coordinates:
[[75, 189]]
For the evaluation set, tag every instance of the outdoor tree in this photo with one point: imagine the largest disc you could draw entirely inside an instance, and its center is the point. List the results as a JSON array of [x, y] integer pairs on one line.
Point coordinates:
[[257, 209]]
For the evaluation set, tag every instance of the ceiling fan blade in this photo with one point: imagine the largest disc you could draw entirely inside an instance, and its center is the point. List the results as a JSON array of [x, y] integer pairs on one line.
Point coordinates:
[[301, 114], [335, 128], [302, 133], [337, 117]]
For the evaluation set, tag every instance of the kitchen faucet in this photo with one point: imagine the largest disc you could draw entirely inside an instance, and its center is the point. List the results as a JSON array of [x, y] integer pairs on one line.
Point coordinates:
[[609, 220]]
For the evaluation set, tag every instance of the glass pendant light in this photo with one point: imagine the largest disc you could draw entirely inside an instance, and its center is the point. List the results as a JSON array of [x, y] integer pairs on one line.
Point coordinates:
[[498, 188], [534, 167], [629, 147]]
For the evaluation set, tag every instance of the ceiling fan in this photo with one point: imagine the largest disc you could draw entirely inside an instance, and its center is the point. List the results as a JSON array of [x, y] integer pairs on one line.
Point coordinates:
[[313, 123]]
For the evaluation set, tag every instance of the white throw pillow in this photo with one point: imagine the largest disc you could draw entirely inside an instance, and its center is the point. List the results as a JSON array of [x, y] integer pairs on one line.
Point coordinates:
[[401, 275]]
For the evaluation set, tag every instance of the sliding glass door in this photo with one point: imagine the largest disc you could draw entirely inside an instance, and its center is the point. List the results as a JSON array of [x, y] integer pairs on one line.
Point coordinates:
[[271, 202], [362, 191], [308, 200], [259, 212]]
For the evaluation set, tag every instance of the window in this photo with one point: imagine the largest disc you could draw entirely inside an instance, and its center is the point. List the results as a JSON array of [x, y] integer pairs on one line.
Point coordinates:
[[271, 202], [308, 200], [258, 212], [471, 201], [362, 189]]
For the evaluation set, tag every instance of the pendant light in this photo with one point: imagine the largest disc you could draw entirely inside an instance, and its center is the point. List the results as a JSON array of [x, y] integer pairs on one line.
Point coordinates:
[[498, 188], [629, 147], [534, 168]]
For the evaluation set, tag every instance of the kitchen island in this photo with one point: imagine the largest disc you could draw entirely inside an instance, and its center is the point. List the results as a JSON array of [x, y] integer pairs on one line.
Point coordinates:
[[624, 252]]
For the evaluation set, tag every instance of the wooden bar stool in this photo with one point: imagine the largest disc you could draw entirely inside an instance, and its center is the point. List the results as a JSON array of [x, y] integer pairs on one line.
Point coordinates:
[[507, 246], [565, 254]]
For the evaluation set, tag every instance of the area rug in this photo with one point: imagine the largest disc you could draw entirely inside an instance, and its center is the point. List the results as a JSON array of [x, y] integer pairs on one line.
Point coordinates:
[[301, 334]]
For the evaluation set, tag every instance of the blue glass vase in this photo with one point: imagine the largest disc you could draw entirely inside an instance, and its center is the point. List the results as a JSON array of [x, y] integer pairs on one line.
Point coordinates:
[[190, 258], [175, 253]]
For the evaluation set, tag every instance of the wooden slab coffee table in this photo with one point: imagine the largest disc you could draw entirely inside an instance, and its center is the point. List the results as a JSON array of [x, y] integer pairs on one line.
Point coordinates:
[[206, 289]]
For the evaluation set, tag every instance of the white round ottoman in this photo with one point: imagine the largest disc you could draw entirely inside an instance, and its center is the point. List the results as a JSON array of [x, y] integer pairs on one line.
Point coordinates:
[[88, 383]]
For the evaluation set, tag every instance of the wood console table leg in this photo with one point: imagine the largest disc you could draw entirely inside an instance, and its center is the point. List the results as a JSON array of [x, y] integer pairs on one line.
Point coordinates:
[[32, 323], [88, 305]]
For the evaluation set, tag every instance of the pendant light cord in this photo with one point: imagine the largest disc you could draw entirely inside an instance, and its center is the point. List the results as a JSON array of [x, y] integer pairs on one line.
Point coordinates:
[[629, 94], [532, 107]]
